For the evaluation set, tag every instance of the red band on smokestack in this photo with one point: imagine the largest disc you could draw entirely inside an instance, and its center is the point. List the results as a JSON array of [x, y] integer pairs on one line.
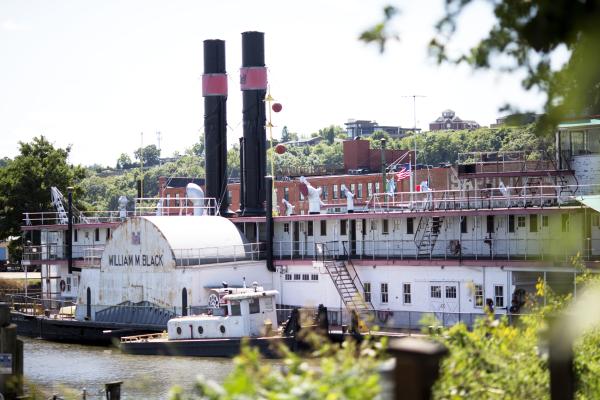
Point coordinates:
[[253, 78], [214, 85]]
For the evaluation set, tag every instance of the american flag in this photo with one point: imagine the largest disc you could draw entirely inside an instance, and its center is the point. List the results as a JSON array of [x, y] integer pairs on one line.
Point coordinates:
[[403, 174]]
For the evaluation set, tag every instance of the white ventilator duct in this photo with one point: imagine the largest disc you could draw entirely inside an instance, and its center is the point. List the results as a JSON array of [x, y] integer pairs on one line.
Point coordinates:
[[123, 206], [349, 198], [196, 195]]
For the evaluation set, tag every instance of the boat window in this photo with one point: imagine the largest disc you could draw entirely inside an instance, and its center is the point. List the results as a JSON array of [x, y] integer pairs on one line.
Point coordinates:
[[409, 226], [478, 291], [343, 227], [268, 303], [490, 224], [565, 222], [367, 291], [533, 224], [254, 306], [236, 310], [464, 225], [511, 223], [384, 293], [499, 295], [385, 228], [323, 228], [407, 293]]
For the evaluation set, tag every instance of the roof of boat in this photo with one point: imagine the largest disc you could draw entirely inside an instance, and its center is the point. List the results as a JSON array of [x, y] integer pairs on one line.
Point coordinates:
[[251, 295], [195, 232]]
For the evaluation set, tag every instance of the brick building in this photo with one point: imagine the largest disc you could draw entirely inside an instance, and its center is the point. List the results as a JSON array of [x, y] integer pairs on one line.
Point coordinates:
[[363, 128], [450, 121], [358, 155]]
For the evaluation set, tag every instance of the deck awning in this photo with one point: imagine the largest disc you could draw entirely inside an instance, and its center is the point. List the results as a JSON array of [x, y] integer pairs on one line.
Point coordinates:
[[592, 201]]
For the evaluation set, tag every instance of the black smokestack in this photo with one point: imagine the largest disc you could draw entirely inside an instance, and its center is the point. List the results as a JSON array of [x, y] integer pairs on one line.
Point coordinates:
[[269, 206], [214, 90], [253, 82]]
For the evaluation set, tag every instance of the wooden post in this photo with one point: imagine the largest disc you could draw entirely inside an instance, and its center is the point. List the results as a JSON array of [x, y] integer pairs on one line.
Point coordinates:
[[11, 356], [113, 390], [417, 367]]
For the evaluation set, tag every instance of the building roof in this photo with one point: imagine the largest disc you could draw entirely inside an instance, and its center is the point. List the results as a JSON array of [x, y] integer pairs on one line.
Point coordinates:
[[582, 123]]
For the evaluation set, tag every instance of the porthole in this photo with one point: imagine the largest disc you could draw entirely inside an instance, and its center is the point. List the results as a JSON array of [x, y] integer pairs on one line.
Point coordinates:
[[179, 330], [200, 330], [222, 328]]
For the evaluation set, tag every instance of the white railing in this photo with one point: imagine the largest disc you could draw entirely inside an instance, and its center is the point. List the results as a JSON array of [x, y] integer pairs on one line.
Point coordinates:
[[485, 198], [175, 206], [211, 255], [543, 249], [143, 206]]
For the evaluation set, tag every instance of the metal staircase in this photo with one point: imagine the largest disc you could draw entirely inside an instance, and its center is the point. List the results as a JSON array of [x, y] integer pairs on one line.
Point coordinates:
[[427, 233], [346, 280]]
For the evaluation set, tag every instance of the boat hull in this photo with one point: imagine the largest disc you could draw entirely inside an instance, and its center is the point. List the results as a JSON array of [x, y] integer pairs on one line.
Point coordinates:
[[227, 347], [73, 331]]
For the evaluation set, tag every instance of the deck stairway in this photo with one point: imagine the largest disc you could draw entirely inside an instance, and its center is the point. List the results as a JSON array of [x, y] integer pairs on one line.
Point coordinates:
[[427, 234], [346, 280]]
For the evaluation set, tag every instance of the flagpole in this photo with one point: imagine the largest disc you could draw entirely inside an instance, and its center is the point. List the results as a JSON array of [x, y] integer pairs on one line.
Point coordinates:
[[411, 178]]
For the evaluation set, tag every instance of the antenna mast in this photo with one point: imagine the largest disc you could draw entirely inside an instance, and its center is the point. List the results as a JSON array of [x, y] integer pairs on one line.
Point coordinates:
[[414, 97]]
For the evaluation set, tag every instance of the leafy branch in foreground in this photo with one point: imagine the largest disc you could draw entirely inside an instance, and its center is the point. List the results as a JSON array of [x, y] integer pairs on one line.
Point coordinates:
[[346, 372]]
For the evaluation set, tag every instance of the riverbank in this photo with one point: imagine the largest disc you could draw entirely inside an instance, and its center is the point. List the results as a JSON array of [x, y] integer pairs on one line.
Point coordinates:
[[61, 368]]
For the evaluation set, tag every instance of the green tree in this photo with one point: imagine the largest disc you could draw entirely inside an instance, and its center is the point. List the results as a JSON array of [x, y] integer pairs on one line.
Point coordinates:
[[285, 134], [25, 182], [124, 161], [149, 154], [376, 137]]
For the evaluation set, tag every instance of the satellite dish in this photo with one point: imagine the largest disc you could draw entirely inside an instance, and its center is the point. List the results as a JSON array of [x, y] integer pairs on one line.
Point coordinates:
[[196, 195]]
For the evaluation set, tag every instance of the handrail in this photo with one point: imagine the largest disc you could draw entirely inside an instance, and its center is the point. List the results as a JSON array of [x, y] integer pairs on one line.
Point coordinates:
[[356, 277]]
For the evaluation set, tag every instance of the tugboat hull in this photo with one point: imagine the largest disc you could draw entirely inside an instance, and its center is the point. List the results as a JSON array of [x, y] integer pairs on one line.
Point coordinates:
[[228, 347]]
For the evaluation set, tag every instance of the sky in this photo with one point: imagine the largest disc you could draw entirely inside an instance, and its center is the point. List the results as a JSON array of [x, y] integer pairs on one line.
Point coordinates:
[[95, 75]]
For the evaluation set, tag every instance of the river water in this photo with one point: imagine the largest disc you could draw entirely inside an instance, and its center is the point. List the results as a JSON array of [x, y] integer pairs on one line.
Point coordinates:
[[60, 368]]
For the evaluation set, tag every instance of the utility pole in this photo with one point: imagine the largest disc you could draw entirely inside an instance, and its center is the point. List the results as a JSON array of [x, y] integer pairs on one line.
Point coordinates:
[[141, 194], [414, 97], [158, 135]]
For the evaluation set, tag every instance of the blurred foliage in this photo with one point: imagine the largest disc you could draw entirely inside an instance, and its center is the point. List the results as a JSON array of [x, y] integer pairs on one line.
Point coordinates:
[[510, 361], [333, 372], [526, 37]]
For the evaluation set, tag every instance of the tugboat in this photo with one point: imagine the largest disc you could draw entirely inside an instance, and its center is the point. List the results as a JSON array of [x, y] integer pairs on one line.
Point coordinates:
[[236, 314]]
